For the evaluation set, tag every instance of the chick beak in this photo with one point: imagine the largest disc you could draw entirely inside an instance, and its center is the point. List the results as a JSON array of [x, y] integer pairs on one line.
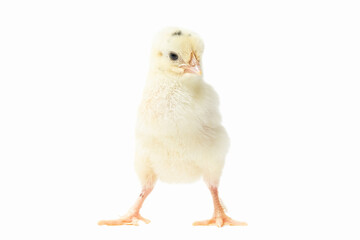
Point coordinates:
[[193, 66]]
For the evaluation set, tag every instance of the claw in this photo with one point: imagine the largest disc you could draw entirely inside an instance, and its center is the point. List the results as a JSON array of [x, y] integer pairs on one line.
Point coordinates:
[[219, 222]]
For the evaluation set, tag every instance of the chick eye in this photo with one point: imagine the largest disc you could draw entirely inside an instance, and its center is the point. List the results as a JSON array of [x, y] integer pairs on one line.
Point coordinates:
[[173, 56]]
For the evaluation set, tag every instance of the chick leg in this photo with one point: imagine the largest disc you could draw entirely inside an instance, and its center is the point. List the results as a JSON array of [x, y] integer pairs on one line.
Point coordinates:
[[219, 217], [133, 216]]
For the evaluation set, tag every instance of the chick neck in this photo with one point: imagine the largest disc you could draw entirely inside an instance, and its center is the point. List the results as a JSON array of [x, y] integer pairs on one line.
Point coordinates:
[[187, 81]]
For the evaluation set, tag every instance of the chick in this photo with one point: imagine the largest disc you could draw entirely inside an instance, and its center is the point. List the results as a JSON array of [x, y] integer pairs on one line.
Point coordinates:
[[179, 136]]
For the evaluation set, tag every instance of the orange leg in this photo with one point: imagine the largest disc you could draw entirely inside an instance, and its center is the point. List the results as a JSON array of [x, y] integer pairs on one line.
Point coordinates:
[[219, 218], [133, 216]]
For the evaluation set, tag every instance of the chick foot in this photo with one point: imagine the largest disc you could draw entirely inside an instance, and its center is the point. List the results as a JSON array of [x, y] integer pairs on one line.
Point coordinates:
[[133, 216], [220, 221], [219, 218], [128, 219]]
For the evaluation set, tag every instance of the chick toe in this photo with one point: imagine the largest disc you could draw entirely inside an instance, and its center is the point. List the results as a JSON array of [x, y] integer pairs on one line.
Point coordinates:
[[220, 221], [131, 219]]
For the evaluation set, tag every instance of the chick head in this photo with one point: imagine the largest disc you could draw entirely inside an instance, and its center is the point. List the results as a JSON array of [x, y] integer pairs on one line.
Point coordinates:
[[177, 52]]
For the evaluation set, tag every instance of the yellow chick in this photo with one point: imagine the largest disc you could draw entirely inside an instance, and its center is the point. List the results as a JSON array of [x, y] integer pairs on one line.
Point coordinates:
[[179, 136]]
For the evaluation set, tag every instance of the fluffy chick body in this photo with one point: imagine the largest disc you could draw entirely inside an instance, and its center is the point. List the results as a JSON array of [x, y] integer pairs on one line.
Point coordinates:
[[179, 136]]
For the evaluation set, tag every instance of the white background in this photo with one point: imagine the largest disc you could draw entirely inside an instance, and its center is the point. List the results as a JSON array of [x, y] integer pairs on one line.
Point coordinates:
[[71, 78]]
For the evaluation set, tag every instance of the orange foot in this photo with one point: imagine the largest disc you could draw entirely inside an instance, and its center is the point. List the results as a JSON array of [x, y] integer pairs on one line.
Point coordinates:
[[220, 221], [129, 219]]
